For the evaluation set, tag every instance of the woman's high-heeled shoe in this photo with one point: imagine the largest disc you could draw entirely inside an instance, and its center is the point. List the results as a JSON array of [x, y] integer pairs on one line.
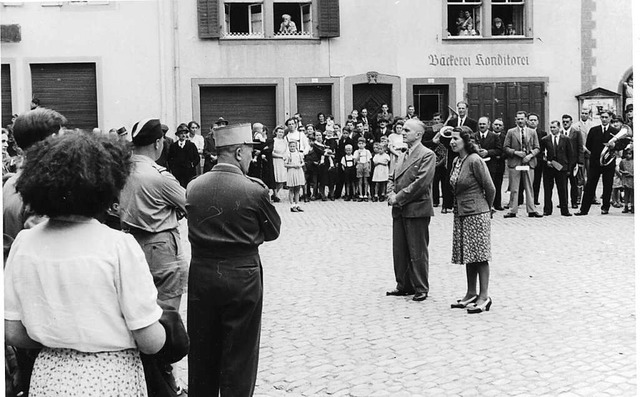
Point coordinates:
[[482, 308], [461, 304]]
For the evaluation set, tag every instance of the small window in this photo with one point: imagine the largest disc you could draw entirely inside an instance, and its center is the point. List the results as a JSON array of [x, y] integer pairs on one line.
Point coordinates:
[[507, 18], [464, 17], [292, 19], [243, 20]]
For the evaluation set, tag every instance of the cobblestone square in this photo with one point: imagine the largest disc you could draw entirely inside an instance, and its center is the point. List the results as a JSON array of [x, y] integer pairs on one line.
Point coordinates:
[[563, 322]]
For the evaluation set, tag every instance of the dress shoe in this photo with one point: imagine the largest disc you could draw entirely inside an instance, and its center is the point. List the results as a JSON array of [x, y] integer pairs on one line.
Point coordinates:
[[534, 215], [419, 296], [397, 292], [566, 214], [299, 209], [294, 209], [536, 203], [581, 213], [498, 208], [595, 202], [482, 308], [509, 215], [461, 304], [546, 214], [604, 212], [444, 210], [574, 206]]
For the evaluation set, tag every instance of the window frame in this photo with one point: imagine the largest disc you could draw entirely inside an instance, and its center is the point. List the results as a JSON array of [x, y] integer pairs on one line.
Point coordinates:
[[269, 28], [484, 33]]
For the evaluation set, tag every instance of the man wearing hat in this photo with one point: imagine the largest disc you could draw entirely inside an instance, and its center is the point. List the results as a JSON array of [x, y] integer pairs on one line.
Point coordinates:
[[151, 203], [229, 215], [183, 157], [597, 140]]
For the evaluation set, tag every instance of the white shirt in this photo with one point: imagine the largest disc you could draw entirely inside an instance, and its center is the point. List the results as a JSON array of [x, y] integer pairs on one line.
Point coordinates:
[[197, 140], [75, 283]]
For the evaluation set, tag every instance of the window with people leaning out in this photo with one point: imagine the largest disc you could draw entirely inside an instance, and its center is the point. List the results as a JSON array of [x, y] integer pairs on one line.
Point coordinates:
[[487, 18], [267, 19]]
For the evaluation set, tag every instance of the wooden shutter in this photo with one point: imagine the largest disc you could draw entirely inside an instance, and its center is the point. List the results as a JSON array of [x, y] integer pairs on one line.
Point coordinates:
[[328, 18], [68, 88], [6, 95], [313, 99], [208, 19], [238, 104]]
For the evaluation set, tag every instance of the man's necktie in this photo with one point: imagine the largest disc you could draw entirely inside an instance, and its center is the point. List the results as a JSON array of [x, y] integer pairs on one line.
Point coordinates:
[[522, 137], [555, 145]]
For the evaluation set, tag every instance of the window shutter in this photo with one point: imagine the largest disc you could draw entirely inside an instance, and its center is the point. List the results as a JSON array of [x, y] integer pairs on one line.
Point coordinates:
[[328, 18], [208, 25]]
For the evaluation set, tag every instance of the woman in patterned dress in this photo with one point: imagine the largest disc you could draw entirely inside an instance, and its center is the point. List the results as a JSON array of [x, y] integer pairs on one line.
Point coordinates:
[[75, 288], [473, 196]]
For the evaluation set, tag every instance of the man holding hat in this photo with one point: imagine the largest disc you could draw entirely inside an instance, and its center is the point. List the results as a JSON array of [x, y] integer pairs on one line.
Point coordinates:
[[229, 215]]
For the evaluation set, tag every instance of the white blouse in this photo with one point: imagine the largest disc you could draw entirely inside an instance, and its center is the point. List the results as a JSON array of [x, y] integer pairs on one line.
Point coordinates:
[[75, 283]]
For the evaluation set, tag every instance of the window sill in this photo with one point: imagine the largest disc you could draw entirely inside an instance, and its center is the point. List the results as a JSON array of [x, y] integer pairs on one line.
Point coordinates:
[[261, 40], [473, 39]]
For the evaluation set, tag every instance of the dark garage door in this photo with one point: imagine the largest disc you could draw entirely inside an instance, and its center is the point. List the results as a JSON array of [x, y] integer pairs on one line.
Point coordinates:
[[238, 104], [314, 99], [6, 94], [69, 88]]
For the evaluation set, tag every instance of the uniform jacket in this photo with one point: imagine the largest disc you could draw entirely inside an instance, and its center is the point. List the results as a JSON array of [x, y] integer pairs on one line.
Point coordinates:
[[512, 144], [492, 144], [411, 180], [474, 189], [229, 214], [563, 153]]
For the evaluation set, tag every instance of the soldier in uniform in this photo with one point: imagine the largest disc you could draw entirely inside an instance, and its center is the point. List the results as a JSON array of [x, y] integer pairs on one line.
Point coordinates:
[[151, 204], [229, 215]]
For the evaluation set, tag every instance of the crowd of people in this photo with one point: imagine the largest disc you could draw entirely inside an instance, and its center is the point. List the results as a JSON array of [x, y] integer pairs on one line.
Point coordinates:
[[112, 296]]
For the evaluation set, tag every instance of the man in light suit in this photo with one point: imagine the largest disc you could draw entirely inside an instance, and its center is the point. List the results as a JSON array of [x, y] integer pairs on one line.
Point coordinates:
[[490, 151], [557, 159], [409, 193], [521, 147]]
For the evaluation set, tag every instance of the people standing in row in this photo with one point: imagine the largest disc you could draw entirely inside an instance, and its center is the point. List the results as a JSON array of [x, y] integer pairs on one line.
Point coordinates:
[[474, 193], [558, 156], [498, 128], [533, 121], [409, 195], [183, 157], [490, 150], [229, 216]]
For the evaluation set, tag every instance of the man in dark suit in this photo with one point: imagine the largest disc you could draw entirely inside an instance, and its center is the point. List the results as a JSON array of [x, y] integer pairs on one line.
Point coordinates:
[[597, 139], [557, 159], [521, 147], [498, 128], [183, 157], [229, 216], [533, 120], [366, 120], [490, 151], [409, 193], [463, 118], [577, 146]]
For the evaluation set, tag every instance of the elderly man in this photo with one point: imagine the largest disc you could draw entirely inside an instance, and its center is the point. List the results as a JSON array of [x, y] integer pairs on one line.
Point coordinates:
[[229, 217], [409, 193], [521, 147]]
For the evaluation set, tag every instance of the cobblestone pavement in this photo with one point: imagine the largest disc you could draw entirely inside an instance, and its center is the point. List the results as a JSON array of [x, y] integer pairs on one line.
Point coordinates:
[[563, 321]]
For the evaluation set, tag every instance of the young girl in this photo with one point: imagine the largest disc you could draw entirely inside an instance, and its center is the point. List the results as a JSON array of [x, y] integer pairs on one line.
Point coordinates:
[[617, 188], [362, 157], [626, 169], [380, 172], [349, 171], [293, 162]]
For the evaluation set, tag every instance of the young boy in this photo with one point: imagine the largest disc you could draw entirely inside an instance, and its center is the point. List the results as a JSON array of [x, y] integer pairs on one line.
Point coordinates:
[[363, 169], [349, 172]]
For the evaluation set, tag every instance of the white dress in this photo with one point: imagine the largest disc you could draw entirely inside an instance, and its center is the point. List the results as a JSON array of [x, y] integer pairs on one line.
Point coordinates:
[[280, 150]]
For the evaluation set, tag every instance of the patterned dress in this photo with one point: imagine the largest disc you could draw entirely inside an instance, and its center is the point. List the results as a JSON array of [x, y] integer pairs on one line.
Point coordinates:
[[471, 233]]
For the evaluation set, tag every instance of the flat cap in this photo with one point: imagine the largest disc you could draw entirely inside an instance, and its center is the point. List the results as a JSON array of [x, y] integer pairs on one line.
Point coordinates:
[[239, 134], [146, 131]]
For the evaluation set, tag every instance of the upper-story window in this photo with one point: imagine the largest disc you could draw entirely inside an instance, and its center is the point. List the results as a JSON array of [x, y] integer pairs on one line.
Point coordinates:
[[487, 18], [268, 19]]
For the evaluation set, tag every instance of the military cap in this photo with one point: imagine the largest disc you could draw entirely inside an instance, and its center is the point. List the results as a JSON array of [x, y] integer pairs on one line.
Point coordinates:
[[146, 131], [239, 134]]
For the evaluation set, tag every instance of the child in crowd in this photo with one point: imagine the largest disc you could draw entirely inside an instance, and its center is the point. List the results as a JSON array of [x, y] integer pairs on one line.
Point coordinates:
[[616, 194], [626, 169], [349, 172], [293, 162], [328, 163], [380, 172], [384, 142], [363, 169]]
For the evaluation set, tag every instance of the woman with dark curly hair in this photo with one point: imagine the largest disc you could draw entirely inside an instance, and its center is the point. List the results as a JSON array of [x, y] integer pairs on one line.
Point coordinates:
[[473, 196], [74, 287]]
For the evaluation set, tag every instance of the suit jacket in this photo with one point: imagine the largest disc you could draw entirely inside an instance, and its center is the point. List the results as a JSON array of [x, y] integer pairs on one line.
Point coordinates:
[[183, 159], [512, 144], [596, 140], [474, 188], [411, 181], [541, 134], [577, 145], [468, 121], [563, 153], [492, 144]]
